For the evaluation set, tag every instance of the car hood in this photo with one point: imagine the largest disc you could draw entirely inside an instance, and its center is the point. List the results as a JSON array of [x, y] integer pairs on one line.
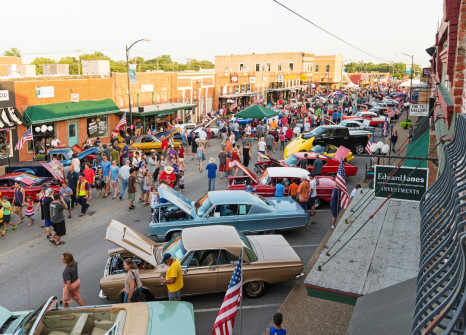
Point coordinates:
[[246, 171], [267, 157], [171, 317], [177, 199], [132, 241], [295, 145], [55, 168], [286, 204], [274, 247], [87, 152]]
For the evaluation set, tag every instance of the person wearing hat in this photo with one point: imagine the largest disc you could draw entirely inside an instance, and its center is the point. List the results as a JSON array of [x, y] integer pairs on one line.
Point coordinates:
[[82, 191], [312, 193], [211, 173], [168, 176], [173, 278]]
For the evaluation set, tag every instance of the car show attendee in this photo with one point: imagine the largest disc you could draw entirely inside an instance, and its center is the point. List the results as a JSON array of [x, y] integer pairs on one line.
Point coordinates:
[[72, 283], [75, 162], [55, 142], [46, 207], [168, 176], [66, 193], [6, 215], [124, 174], [114, 155], [164, 146], [277, 329], [312, 193], [133, 285], [72, 179], [82, 191], [335, 206], [114, 173], [353, 192], [105, 165], [89, 176], [211, 173], [57, 219], [29, 213], [303, 193], [222, 157], [279, 189], [173, 278], [317, 166], [200, 155], [270, 140], [19, 200], [236, 156], [132, 188]]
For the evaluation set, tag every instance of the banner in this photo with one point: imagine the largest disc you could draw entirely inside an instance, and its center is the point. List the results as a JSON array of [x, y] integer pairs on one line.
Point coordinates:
[[426, 72], [132, 74], [280, 78], [419, 110], [408, 69], [404, 184]]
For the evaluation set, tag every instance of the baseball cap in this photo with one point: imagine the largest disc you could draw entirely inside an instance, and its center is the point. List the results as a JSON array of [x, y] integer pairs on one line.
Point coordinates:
[[166, 257], [48, 191]]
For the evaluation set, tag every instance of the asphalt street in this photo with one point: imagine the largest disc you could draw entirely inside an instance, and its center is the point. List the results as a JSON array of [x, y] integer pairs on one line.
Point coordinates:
[[31, 268]]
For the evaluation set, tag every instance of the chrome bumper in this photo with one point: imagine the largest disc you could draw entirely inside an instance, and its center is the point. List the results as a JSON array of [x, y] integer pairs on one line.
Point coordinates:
[[301, 275]]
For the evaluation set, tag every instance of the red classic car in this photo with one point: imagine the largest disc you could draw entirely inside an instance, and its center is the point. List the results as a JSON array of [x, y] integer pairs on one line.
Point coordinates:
[[375, 119], [265, 184], [330, 167], [29, 182]]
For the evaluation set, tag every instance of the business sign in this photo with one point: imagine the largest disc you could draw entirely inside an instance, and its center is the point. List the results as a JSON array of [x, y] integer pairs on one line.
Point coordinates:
[[45, 92], [4, 96], [407, 183], [280, 78], [408, 69], [303, 77], [74, 97], [252, 80], [419, 110], [234, 78], [426, 72], [132, 73]]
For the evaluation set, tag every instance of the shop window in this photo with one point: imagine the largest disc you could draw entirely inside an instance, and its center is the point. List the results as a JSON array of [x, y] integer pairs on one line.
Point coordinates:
[[97, 126], [317, 68], [291, 66], [279, 66], [241, 66], [268, 67], [327, 68], [236, 89], [6, 148], [44, 131], [257, 67]]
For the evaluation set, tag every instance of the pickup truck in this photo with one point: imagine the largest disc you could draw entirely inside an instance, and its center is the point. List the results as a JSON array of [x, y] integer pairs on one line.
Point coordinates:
[[355, 140]]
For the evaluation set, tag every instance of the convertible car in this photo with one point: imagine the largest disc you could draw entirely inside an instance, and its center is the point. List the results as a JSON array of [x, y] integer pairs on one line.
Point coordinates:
[[29, 182], [146, 318], [208, 257], [330, 167], [148, 142], [245, 211], [265, 184]]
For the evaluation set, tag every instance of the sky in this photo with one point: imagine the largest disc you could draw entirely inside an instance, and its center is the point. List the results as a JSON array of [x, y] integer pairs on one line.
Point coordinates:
[[205, 28]]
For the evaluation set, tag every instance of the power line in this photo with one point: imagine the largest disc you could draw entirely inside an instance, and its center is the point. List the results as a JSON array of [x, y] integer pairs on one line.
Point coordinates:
[[326, 31]]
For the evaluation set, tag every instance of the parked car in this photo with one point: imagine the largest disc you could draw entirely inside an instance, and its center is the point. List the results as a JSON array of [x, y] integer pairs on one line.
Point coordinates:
[[246, 211], [330, 150], [208, 257], [374, 118], [148, 318], [355, 140], [148, 142], [29, 182], [265, 184], [356, 124]]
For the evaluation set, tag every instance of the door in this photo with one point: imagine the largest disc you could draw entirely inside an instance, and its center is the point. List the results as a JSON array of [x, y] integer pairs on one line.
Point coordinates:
[[200, 272], [73, 138]]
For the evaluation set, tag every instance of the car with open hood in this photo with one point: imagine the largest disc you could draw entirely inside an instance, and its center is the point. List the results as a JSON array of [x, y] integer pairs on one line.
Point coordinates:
[[30, 183], [145, 318], [265, 184], [208, 257], [248, 212]]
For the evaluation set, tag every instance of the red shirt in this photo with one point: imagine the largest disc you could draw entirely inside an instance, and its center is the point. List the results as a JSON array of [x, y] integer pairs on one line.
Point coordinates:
[[181, 153], [169, 178], [89, 174], [164, 144]]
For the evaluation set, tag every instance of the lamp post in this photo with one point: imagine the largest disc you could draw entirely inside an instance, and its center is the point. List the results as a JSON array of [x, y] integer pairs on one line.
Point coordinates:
[[411, 85], [379, 148], [127, 73]]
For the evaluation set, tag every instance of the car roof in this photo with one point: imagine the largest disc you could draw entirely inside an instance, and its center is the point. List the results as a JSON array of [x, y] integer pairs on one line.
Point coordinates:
[[211, 237], [221, 197], [291, 172]]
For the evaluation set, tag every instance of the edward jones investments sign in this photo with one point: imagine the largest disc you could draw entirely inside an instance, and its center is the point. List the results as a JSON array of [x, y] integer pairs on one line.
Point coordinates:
[[406, 184]]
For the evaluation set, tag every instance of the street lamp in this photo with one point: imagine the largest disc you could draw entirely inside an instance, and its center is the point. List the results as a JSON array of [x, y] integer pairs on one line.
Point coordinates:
[[127, 72], [411, 85], [379, 148]]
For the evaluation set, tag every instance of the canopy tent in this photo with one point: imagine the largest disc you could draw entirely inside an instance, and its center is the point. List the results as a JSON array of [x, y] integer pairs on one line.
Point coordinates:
[[256, 112], [416, 83], [351, 85]]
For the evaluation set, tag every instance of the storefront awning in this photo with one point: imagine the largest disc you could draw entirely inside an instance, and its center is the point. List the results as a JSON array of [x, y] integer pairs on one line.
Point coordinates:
[[238, 95], [9, 117], [281, 89], [159, 109], [68, 110]]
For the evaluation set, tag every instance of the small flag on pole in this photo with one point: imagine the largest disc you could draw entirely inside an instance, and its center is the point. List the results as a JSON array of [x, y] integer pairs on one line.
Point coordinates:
[[369, 143], [121, 123], [226, 315], [340, 183], [26, 137]]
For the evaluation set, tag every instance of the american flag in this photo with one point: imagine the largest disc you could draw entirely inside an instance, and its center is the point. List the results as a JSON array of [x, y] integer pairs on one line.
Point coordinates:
[[226, 315], [233, 106], [385, 128], [391, 113], [369, 143], [340, 183], [121, 123], [26, 137]]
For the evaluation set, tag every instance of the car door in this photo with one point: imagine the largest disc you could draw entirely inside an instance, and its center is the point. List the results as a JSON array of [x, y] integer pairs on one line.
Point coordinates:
[[341, 136], [225, 214], [226, 265], [200, 271]]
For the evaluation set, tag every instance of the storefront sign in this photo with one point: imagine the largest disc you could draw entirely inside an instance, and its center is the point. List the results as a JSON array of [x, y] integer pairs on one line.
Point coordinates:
[[419, 110], [4, 96], [407, 183], [74, 97], [132, 73], [303, 77], [234, 78], [426, 72], [280, 78], [147, 88], [45, 92], [290, 76], [252, 80]]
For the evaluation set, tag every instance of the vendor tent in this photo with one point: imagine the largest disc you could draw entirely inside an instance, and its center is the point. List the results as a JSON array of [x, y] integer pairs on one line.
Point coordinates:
[[256, 112], [351, 85]]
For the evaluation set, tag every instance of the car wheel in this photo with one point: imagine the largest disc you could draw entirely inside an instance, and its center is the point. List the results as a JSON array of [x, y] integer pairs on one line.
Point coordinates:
[[358, 149], [317, 203], [255, 289]]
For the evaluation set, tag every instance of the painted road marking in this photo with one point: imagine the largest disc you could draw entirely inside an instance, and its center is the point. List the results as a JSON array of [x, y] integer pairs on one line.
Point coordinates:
[[209, 310], [304, 245]]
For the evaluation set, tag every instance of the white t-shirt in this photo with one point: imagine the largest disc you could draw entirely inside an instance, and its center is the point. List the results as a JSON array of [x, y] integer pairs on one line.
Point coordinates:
[[353, 193], [307, 126], [261, 145], [313, 187], [202, 135], [55, 143], [284, 129], [236, 126], [297, 130], [232, 138]]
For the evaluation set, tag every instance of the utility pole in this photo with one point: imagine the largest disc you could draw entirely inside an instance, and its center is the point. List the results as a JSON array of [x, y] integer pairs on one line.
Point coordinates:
[[79, 60]]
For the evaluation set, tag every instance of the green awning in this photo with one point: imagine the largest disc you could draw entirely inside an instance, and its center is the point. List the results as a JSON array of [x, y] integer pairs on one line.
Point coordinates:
[[159, 109], [418, 148], [68, 110], [256, 112]]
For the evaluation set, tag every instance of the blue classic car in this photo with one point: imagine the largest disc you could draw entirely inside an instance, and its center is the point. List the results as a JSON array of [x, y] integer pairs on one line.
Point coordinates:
[[247, 212]]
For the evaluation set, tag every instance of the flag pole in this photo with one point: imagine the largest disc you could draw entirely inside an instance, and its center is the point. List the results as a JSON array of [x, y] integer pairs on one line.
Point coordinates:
[[241, 301]]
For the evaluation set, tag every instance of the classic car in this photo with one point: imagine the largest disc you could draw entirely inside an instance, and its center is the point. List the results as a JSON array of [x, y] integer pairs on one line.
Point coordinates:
[[246, 211], [330, 150], [329, 168], [148, 142], [375, 119], [265, 184], [356, 124], [208, 257], [146, 318], [29, 182], [355, 140]]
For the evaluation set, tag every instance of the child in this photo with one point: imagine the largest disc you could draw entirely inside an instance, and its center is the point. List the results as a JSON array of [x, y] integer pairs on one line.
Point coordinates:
[[29, 210], [248, 187], [181, 181], [294, 189], [277, 329], [154, 197], [6, 214]]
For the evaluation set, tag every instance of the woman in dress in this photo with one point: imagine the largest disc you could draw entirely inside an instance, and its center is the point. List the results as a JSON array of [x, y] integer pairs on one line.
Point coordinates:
[[114, 169], [236, 156], [200, 156], [246, 154]]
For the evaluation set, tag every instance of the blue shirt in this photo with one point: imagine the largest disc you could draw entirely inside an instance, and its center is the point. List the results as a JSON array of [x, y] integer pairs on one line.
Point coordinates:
[[274, 331], [105, 168], [211, 168], [279, 190], [114, 172], [125, 151]]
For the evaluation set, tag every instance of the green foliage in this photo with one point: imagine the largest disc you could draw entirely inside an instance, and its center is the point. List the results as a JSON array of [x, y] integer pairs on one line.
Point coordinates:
[[405, 124], [39, 61], [73, 63], [13, 52], [97, 55], [396, 69]]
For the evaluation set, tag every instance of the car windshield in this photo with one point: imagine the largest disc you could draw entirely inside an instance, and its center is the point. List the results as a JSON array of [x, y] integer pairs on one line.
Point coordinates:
[[203, 205], [261, 199], [175, 247], [291, 160], [25, 326], [315, 132], [248, 247], [265, 178]]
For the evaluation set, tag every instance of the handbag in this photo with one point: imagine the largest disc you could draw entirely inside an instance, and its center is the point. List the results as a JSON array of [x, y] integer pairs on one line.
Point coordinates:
[[137, 292], [203, 156]]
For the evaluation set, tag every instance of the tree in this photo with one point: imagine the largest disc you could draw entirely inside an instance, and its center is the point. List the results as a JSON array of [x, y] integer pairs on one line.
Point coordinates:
[[38, 61], [73, 63], [97, 55], [13, 52]]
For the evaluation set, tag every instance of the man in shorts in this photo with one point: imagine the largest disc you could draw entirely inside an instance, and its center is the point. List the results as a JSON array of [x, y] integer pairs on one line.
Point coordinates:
[[66, 194], [106, 165], [312, 194], [132, 188], [269, 140], [57, 219]]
